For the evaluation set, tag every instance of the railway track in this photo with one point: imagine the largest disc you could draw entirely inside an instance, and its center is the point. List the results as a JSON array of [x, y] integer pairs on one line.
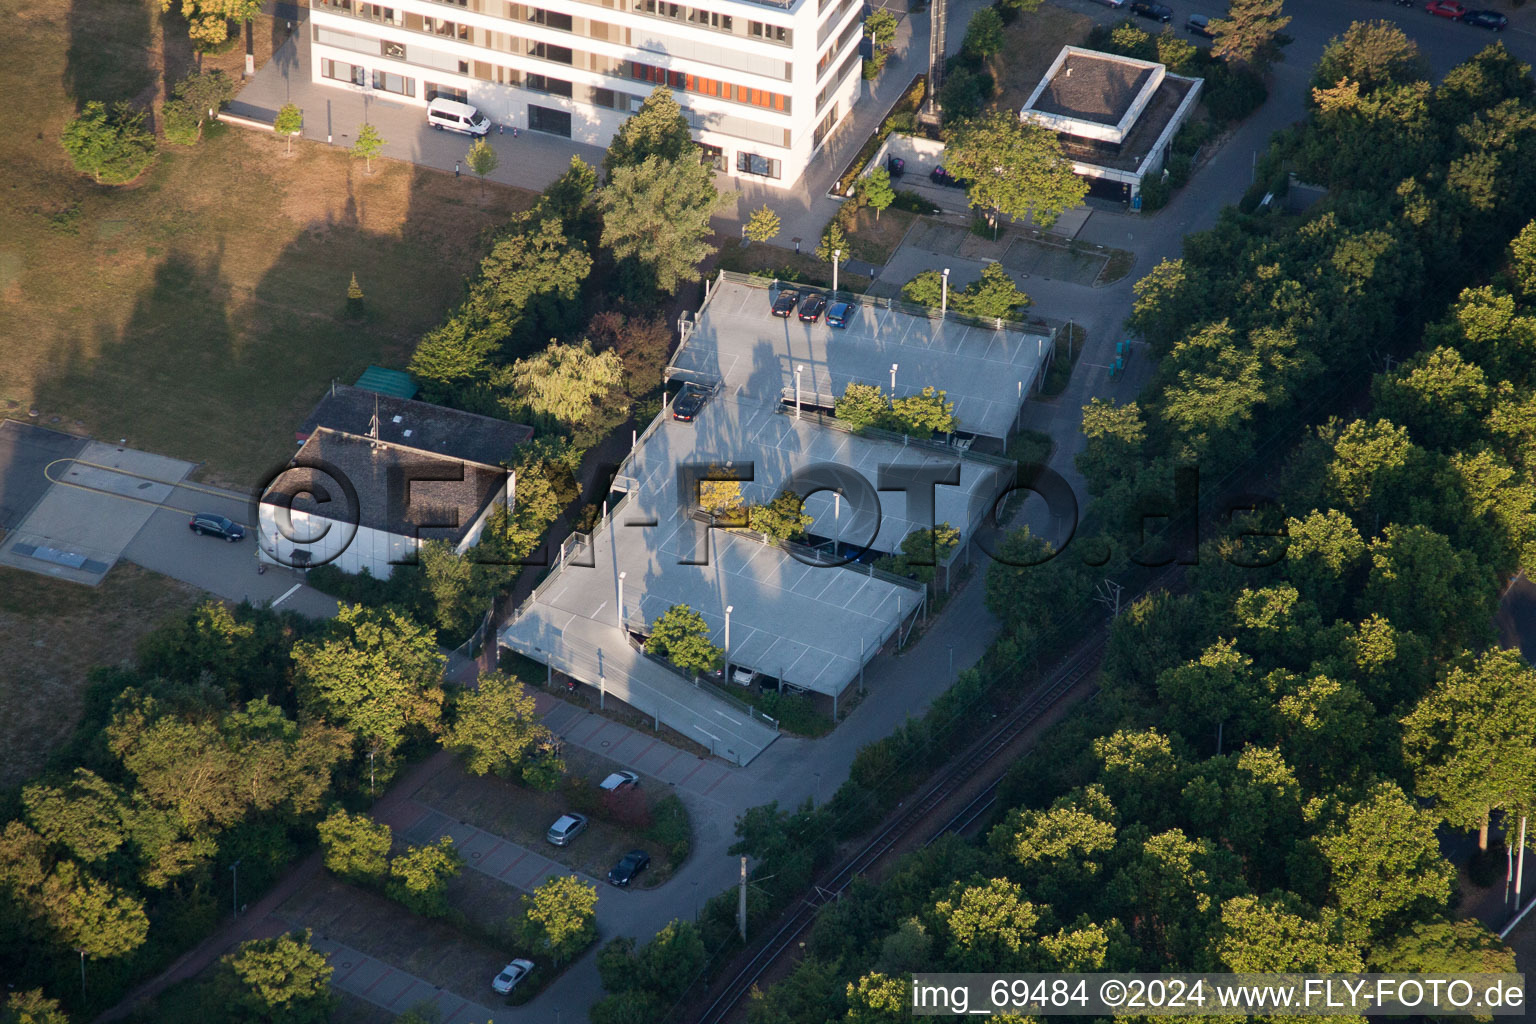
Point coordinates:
[[978, 759]]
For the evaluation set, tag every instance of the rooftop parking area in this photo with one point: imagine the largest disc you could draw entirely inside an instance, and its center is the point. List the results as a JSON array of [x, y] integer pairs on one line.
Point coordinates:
[[985, 371], [809, 625]]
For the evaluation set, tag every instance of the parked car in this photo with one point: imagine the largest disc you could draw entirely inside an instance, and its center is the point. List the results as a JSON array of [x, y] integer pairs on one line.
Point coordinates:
[[838, 314], [451, 115], [811, 306], [1445, 8], [567, 828], [785, 303], [510, 975], [1113, 3], [1491, 20], [619, 780], [630, 865], [687, 404], [1157, 12], [743, 676], [1199, 25], [218, 526]]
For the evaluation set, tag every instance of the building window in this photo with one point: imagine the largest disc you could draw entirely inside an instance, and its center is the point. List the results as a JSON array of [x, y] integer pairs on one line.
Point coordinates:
[[463, 67], [343, 72], [554, 122], [432, 91], [553, 86], [549, 19], [395, 50], [714, 156], [388, 82], [772, 33], [752, 163], [825, 126], [547, 51]]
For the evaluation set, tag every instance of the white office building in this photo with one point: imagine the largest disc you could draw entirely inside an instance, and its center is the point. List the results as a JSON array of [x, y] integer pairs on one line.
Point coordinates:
[[763, 82]]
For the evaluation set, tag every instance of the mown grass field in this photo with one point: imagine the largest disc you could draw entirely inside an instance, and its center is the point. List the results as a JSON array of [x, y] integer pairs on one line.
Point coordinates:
[[199, 312]]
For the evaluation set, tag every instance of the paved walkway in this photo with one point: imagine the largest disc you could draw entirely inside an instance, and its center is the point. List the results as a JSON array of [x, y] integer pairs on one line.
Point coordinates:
[[396, 991]]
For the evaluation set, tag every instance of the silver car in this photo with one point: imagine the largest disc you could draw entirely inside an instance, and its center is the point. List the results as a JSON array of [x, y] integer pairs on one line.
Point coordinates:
[[567, 828]]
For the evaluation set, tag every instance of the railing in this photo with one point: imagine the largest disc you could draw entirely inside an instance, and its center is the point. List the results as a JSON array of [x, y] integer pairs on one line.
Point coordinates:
[[700, 683], [899, 306], [932, 444]]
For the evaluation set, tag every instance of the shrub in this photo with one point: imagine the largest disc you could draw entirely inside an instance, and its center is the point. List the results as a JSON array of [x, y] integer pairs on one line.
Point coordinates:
[[1179, 166], [910, 201], [113, 146], [1192, 136], [1155, 193], [627, 808], [1234, 94], [669, 828], [182, 125]]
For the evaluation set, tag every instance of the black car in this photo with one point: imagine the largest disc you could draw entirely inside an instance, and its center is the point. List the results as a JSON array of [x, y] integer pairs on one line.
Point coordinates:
[[624, 872], [1491, 20], [1199, 25], [218, 526], [1157, 12], [811, 306], [786, 302], [687, 404]]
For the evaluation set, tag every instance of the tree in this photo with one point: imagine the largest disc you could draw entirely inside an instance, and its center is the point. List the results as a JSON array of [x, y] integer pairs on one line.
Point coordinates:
[[1522, 261], [682, 637], [1013, 168], [984, 35], [670, 962], [290, 122], [876, 999], [1444, 947], [921, 552], [721, 498], [878, 192], [1250, 33], [356, 847], [657, 129], [1421, 582], [1384, 863], [529, 283], [85, 817], [114, 147], [496, 726], [833, 241], [989, 927], [375, 672], [763, 225], [368, 145], [205, 92], [631, 1006], [181, 123], [572, 388], [657, 214], [419, 877], [861, 406], [560, 917], [281, 979], [880, 26], [1175, 52], [783, 518], [926, 289], [993, 296], [482, 159], [31, 1006], [90, 915], [208, 20], [1115, 436], [1372, 54], [1471, 741], [354, 297], [924, 414], [1269, 936]]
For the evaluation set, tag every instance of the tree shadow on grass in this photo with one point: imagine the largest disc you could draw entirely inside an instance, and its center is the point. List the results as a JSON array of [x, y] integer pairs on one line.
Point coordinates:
[[109, 49]]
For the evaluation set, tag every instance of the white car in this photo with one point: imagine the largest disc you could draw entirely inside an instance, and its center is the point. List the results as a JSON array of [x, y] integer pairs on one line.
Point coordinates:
[[1113, 3], [743, 677], [619, 780], [510, 975]]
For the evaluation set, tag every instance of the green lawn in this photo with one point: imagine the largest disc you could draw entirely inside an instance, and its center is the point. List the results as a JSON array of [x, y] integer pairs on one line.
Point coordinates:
[[199, 311]]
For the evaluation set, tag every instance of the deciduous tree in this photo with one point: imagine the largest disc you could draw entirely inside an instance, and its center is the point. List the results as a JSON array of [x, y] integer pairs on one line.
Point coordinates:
[[114, 147], [877, 190], [783, 518], [924, 414], [1471, 741], [1013, 168], [559, 917], [763, 225], [290, 122], [1371, 54], [419, 877], [208, 20], [1250, 33], [376, 673], [356, 847], [682, 637], [368, 145], [861, 406], [880, 26], [280, 979], [496, 727], [572, 388], [984, 35], [482, 159]]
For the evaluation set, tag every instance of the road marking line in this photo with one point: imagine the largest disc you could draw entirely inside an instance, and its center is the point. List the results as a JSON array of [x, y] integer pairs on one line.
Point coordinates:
[[286, 595]]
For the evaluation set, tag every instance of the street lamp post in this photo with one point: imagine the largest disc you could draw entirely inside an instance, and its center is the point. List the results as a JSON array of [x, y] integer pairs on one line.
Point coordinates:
[[951, 662], [893, 380], [621, 600], [798, 371], [727, 676], [836, 255], [82, 972], [944, 301], [234, 893]]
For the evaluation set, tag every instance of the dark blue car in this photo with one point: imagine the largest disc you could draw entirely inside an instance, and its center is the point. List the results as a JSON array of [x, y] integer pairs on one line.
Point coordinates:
[[838, 314]]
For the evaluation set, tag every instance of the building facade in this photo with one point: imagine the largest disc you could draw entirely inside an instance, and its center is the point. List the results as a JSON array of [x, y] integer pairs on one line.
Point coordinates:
[[762, 82]]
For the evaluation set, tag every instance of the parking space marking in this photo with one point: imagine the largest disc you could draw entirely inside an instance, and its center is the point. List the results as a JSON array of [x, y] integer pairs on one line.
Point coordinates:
[[388, 970]]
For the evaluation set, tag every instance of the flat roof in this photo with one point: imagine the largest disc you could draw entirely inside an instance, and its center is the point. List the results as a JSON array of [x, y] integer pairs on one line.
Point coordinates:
[[1128, 155], [736, 340], [1093, 86], [420, 425], [806, 624], [398, 490]]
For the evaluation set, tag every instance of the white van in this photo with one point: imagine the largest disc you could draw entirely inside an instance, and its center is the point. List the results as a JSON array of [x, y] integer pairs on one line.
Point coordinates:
[[456, 117]]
